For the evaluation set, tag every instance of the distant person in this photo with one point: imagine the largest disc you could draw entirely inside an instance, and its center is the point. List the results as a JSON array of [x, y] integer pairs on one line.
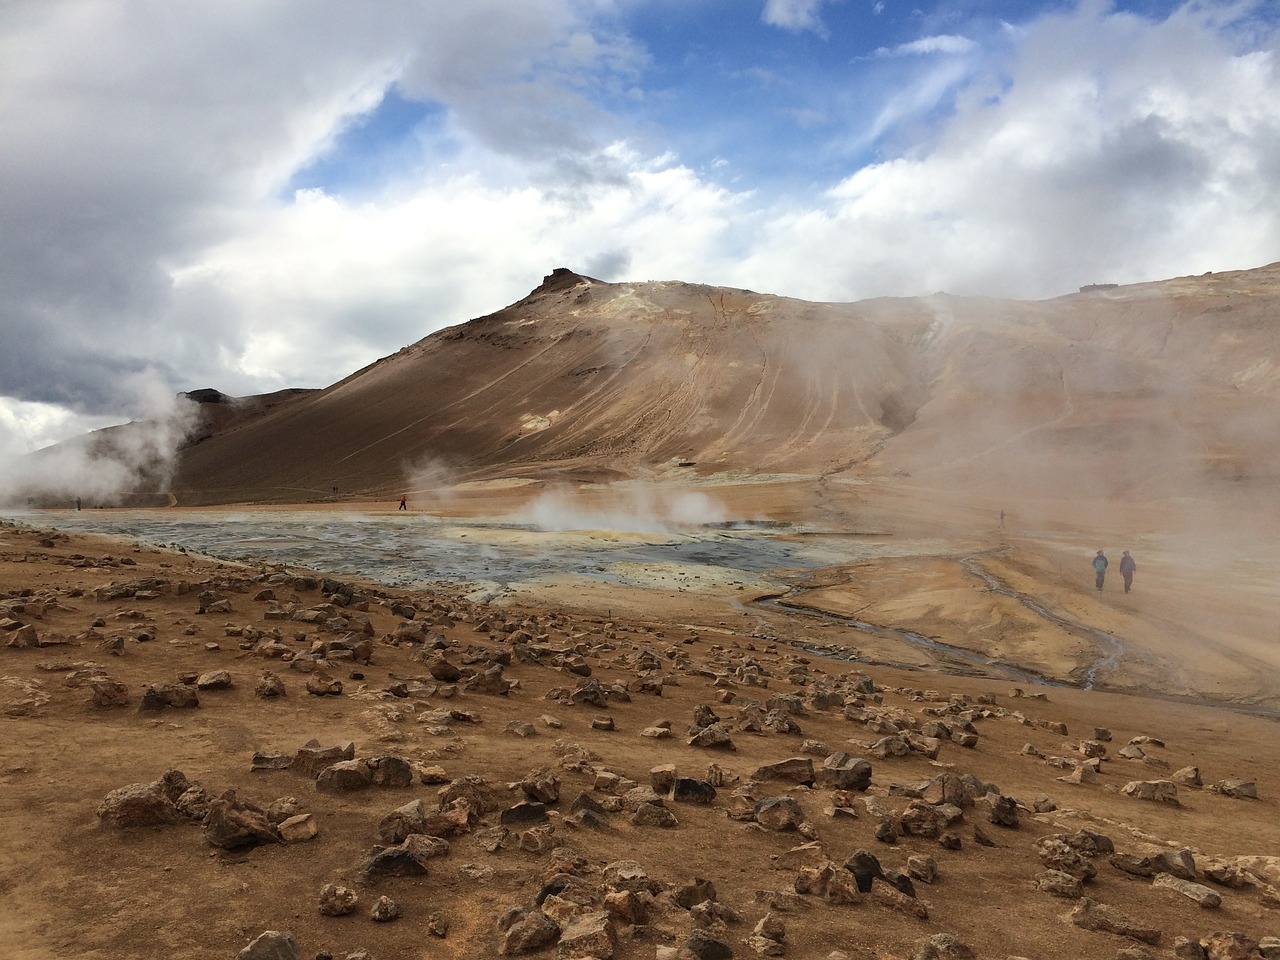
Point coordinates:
[[77, 503], [403, 505], [1127, 567], [1099, 569], [1002, 518]]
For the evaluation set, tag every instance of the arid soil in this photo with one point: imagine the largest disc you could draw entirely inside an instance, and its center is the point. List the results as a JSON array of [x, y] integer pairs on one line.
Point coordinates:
[[1194, 668]]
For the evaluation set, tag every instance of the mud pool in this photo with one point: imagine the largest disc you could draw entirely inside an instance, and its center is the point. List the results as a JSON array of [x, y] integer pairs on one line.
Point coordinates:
[[484, 557]]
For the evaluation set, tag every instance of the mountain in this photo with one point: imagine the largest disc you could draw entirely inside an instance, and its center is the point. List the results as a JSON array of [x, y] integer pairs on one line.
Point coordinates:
[[1108, 392]]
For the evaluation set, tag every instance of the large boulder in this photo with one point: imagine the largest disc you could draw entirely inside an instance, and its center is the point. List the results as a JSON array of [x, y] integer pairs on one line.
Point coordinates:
[[840, 771], [138, 805], [312, 759], [232, 823], [1156, 791], [403, 821], [407, 859], [345, 776], [793, 770], [779, 813]]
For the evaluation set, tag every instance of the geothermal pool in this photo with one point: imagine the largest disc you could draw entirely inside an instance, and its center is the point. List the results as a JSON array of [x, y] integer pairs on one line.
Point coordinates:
[[419, 550]]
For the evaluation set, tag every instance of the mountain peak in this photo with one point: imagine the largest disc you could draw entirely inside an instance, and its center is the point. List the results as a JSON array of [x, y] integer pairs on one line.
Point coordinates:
[[562, 278]]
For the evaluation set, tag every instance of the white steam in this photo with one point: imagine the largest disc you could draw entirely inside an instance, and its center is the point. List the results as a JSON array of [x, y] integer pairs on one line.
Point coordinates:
[[431, 476], [106, 467], [643, 510]]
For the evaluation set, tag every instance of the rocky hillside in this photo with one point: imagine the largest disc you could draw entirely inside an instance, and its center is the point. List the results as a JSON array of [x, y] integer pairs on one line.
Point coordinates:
[[1103, 392]]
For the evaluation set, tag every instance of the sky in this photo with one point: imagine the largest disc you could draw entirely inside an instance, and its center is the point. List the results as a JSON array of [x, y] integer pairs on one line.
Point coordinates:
[[257, 194]]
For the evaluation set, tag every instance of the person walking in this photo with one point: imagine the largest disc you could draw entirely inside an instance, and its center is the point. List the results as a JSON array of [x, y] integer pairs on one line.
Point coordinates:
[[1099, 569], [403, 505], [1001, 519], [1127, 567]]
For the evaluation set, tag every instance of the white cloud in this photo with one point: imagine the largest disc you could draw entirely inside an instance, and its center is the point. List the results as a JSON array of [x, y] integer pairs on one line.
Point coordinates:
[[146, 150], [1105, 148], [345, 279], [795, 15], [945, 43]]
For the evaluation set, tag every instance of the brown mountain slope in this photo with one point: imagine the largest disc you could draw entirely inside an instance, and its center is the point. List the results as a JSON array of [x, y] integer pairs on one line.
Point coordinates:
[[1151, 386], [587, 379]]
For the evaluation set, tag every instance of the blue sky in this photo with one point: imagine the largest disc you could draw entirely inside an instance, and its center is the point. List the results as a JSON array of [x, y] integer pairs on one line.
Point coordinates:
[[252, 195]]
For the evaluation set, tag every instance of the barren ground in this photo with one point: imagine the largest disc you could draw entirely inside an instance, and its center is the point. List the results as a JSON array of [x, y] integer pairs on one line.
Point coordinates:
[[1195, 667]]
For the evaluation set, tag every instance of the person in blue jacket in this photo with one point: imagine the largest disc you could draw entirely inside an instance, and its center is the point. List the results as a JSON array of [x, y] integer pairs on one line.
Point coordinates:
[[1099, 569]]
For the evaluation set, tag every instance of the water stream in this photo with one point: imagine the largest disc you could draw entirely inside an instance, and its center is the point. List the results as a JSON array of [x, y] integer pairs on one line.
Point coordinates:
[[1112, 645]]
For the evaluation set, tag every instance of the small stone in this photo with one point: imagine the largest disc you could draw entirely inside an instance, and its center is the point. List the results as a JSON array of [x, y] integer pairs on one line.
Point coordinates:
[[109, 693], [271, 945], [528, 811], [922, 868], [779, 813], [384, 910], [345, 776], [214, 680], [1229, 946], [269, 687], [1236, 788], [1089, 915], [336, 901], [232, 823], [1194, 891], [653, 815], [270, 761], [1156, 791], [298, 828], [691, 790], [942, 946], [528, 931], [1060, 884], [589, 935], [703, 946]]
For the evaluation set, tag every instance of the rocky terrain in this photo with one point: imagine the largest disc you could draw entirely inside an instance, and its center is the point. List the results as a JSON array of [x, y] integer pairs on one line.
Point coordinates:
[[889, 717], [213, 760]]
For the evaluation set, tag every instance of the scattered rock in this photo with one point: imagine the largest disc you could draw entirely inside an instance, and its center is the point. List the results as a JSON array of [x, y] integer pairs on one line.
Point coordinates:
[[1157, 791], [345, 776], [214, 680], [526, 931], [1090, 915], [406, 859], [138, 805], [589, 935], [271, 945], [232, 823], [942, 946], [336, 901], [1235, 787], [1194, 891], [779, 813], [384, 910], [108, 692], [298, 828]]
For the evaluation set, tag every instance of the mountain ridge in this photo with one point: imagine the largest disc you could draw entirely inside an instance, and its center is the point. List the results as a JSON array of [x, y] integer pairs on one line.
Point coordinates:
[[1163, 384]]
